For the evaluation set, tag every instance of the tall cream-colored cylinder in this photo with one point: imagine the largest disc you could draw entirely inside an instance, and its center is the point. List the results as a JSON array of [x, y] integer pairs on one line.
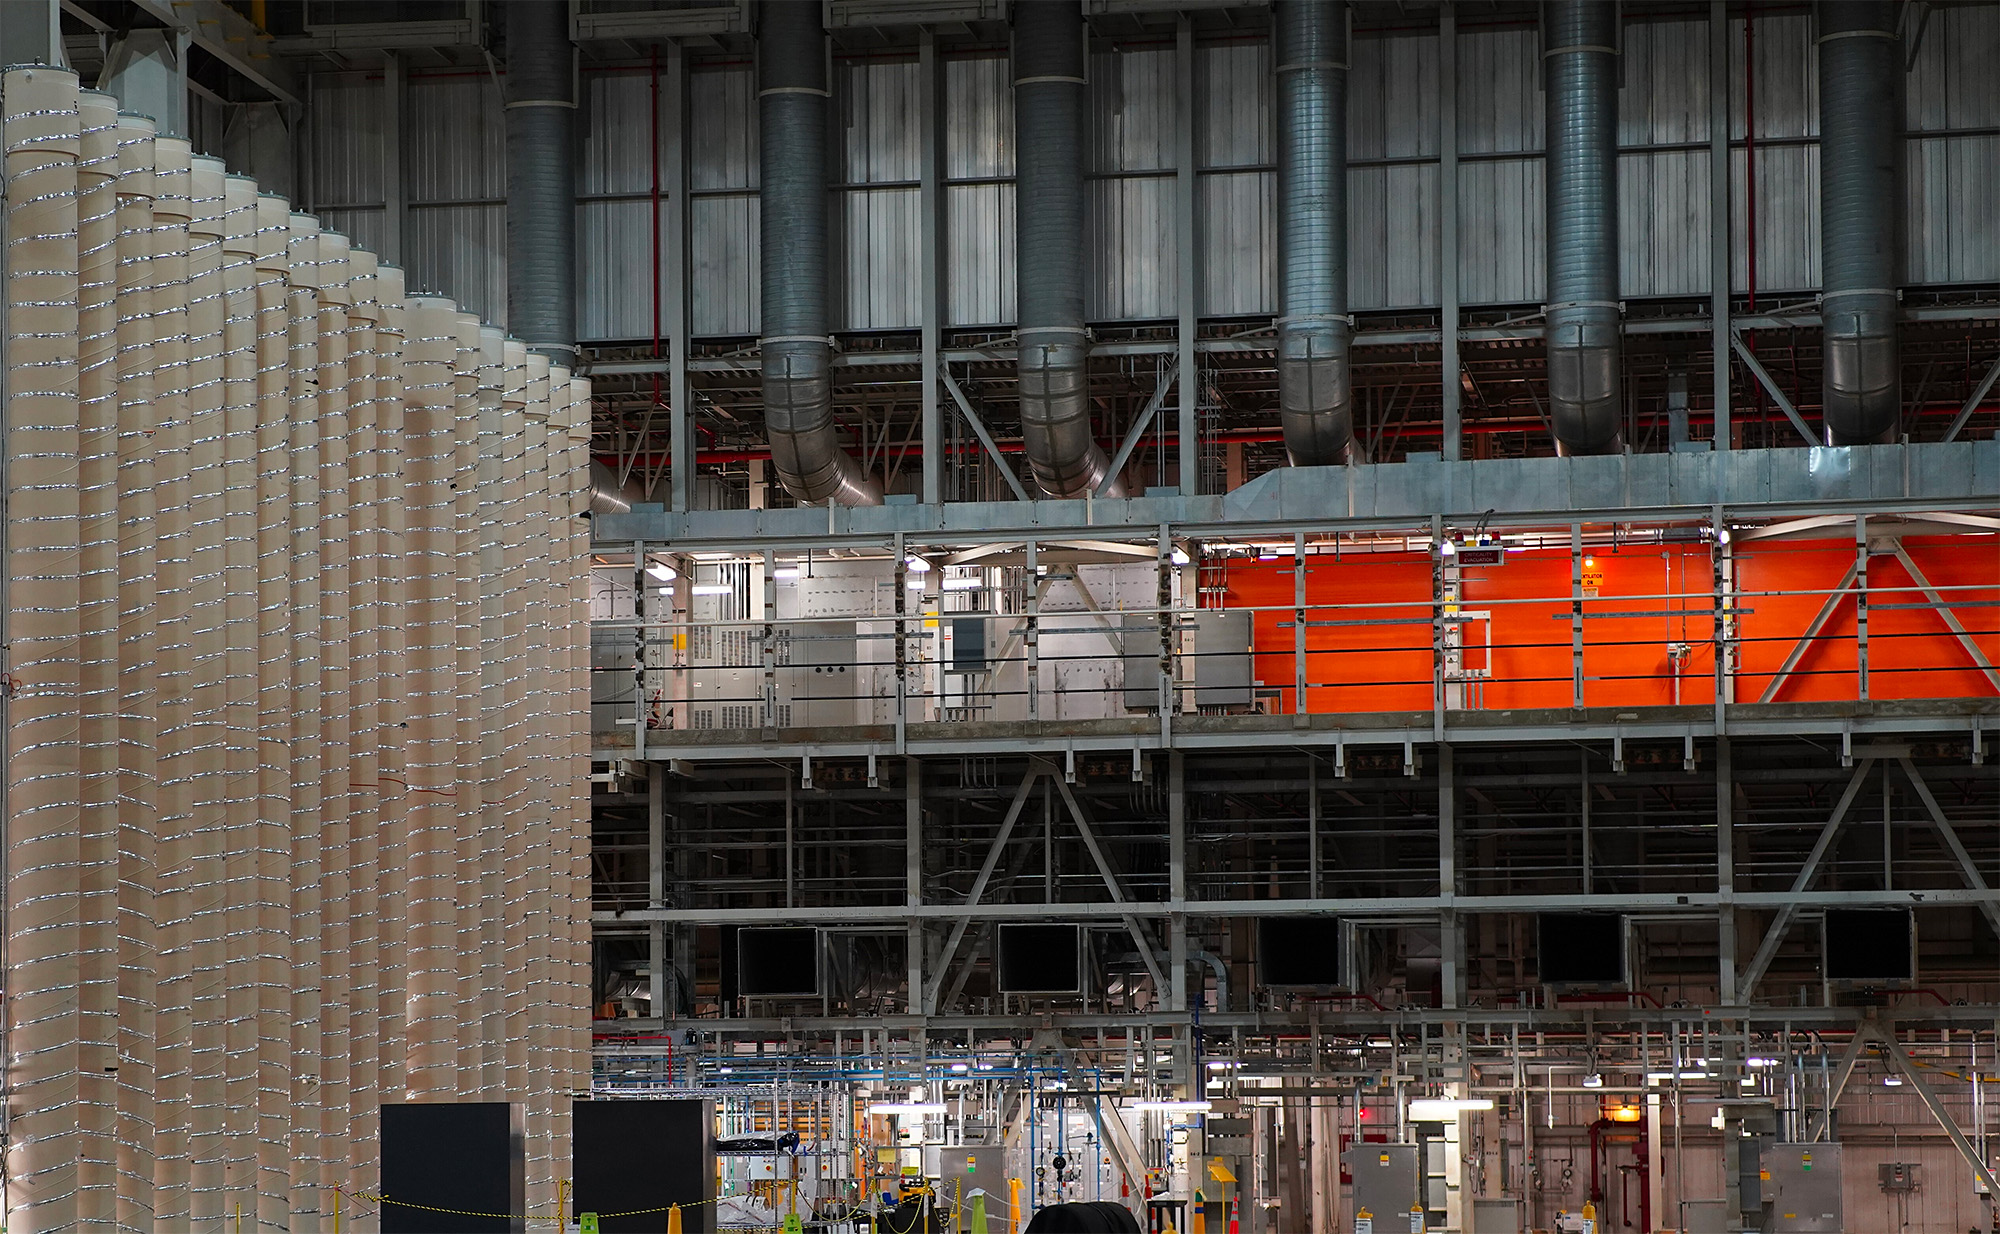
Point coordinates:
[[392, 694], [274, 723], [97, 662], [138, 560], [431, 748], [302, 311], [466, 710], [173, 1022], [494, 731], [40, 134], [206, 697], [336, 529]]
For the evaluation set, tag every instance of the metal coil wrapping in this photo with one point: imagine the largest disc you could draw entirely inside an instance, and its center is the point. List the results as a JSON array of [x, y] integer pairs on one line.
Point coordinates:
[[274, 680], [239, 563], [365, 565], [173, 1020], [494, 596], [138, 558], [543, 382], [97, 658], [302, 299], [532, 816], [465, 696], [334, 648], [39, 132], [208, 652], [392, 799], [576, 823], [515, 665]]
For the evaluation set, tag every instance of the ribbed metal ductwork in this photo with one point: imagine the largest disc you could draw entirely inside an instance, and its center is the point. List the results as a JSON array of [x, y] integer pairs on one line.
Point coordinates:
[[1048, 238], [1859, 115], [1582, 193], [1315, 391], [541, 177], [798, 385], [608, 496]]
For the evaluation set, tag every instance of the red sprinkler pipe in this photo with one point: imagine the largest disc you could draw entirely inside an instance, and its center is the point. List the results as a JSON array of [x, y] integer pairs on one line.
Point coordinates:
[[1596, 1157]]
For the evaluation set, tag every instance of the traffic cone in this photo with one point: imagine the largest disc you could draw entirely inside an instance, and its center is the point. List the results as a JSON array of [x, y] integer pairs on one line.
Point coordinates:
[[674, 1220], [1198, 1217], [1234, 1201]]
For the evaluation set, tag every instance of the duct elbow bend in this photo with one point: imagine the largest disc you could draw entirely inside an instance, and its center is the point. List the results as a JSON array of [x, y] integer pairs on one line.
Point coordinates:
[[1055, 415], [798, 417], [1584, 362], [1316, 391]]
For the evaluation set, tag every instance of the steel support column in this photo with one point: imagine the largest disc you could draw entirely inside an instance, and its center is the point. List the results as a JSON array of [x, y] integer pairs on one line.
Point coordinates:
[[1452, 390], [1187, 448], [913, 877], [1718, 213], [1725, 872], [674, 165], [1177, 934], [930, 196], [1775, 936]]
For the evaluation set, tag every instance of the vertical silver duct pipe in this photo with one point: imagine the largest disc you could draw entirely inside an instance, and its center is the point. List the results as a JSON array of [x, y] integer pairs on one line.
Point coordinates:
[[541, 176], [798, 384], [1859, 115], [1582, 193], [1048, 244], [1315, 390]]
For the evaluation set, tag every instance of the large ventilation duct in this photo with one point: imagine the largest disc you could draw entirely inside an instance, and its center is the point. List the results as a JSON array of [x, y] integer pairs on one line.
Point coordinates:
[[1315, 393], [1859, 114], [1048, 241], [541, 177], [1582, 192], [798, 384]]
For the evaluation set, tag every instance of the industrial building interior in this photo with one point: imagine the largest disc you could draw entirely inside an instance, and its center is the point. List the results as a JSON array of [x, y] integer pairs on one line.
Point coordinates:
[[1227, 616]]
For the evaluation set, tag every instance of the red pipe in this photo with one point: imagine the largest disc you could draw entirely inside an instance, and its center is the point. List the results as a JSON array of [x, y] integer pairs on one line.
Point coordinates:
[[1596, 1154]]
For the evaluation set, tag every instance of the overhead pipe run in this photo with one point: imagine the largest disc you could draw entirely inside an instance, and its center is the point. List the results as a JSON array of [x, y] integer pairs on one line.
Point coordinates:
[[1583, 312], [541, 177], [1315, 387], [1859, 77], [1054, 348], [798, 354]]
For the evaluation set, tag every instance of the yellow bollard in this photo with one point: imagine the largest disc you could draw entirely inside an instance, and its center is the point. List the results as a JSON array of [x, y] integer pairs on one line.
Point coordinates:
[[1013, 1206], [674, 1220]]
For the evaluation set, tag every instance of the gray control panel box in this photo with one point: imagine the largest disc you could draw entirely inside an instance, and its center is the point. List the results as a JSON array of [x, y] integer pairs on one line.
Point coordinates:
[[1385, 1180], [1802, 1188]]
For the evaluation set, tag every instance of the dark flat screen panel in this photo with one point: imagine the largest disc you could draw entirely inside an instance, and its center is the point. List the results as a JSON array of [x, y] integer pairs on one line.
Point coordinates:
[[1581, 948], [1868, 944], [637, 1155], [773, 963], [464, 1155], [1040, 959], [1299, 951]]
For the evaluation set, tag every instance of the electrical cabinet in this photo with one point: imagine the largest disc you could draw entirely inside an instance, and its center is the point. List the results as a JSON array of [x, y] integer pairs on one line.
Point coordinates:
[[1385, 1180], [1802, 1188]]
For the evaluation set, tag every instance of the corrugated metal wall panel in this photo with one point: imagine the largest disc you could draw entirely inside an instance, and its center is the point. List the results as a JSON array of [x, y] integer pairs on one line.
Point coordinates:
[[1787, 219], [461, 252], [1663, 223], [614, 269], [978, 117], [1132, 108], [457, 140], [1953, 84], [1499, 91], [875, 105], [979, 254], [1665, 95], [1392, 98], [1392, 236], [875, 259], [346, 142], [722, 117], [1236, 235], [1234, 126], [1500, 232], [1953, 222], [1787, 78], [614, 126], [1133, 271], [364, 229], [723, 269]]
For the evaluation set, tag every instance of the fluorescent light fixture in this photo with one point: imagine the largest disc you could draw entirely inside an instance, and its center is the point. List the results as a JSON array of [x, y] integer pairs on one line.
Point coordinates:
[[666, 591], [960, 1067], [1593, 1080], [1722, 534], [1222, 1064], [916, 564], [1447, 548], [1174, 1107], [915, 584], [785, 574], [906, 1107], [1663, 1077], [712, 589], [1438, 1109], [971, 583], [1179, 557], [1892, 1081], [664, 573], [1748, 1081], [1760, 1062]]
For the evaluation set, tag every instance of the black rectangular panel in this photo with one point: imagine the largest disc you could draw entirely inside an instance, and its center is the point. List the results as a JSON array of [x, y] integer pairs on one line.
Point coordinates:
[[1299, 951], [1581, 949], [1868, 944], [1040, 959], [777, 963], [461, 1155], [631, 1156]]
